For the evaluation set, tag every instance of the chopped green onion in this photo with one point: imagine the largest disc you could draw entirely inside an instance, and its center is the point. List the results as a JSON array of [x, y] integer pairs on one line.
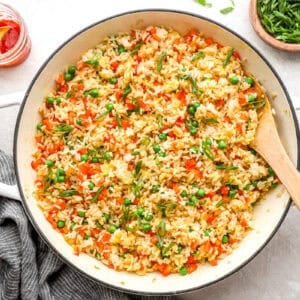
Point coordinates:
[[136, 48], [138, 168], [197, 56], [127, 90], [68, 193], [97, 194], [228, 57], [160, 61]]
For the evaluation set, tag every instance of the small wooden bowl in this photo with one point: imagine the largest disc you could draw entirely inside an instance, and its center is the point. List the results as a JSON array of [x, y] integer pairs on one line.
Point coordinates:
[[257, 26]]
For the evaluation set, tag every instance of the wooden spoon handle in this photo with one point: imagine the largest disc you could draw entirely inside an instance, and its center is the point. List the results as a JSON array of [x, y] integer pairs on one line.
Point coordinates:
[[278, 159]]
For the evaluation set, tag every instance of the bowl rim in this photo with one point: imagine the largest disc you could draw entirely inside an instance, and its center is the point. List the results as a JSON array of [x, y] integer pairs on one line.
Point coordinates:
[[15, 156], [264, 35]]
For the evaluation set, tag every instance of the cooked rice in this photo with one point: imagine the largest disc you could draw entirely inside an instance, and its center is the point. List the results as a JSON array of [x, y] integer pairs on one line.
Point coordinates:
[[143, 153]]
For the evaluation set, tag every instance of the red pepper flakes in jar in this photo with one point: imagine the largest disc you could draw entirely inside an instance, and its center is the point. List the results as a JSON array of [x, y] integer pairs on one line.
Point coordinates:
[[15, 44]]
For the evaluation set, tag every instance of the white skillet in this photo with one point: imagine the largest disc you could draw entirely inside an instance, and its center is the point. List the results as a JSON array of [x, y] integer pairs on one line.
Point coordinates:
[[268, 215]]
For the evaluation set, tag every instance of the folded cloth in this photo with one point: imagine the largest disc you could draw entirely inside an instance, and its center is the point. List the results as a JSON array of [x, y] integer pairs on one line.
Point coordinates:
[[29, 269]]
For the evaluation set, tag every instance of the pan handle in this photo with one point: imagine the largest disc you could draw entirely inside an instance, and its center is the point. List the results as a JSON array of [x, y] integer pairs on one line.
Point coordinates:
[[9, 191], [11, 99]]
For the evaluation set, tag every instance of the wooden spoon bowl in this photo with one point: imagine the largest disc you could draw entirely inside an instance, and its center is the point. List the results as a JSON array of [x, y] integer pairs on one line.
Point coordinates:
[[267, 143], [264, 35]]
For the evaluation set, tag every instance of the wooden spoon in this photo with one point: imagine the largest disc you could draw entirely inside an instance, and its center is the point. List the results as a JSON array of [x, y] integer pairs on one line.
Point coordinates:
[[267, 143], [3, 31]]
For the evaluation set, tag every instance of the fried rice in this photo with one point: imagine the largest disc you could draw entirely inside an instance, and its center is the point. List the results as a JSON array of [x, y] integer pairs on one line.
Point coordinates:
[[143, 156]]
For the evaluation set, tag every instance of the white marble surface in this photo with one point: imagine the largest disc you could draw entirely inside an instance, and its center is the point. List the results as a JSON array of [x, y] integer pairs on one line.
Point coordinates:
[[274, 274]]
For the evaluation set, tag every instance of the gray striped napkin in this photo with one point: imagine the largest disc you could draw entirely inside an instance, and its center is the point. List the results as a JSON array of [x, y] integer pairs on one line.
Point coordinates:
[[29, 269]]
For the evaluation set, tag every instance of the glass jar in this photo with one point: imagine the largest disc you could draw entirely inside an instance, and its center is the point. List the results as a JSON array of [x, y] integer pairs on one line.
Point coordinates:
[[15, 43]]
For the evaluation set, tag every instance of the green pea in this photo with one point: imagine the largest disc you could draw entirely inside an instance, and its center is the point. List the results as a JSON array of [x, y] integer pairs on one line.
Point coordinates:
[[106, 217], [68, 76], [61, 171], [146, 227], [39, 126], [109, 106], [234, 80], [60, 178], [49, 163], [195, 123], [140, 212], [134, 153], [251, 98], [112, 228], [193, 130], [81, 213], [184, 194], [148, 217], [162, 136], [107, 155], [222, 145], [156, 148], [208, 142], [50, 100], [193, 201], [121, 49], [95, 159], [191, 109], [225, 239], [162, 154], [79, 121], [200, 193], [113, 80], [91, 185], [127, 201], [84, 157], [155, 188], [207, 232], [86, 236], [60, 224], [72, 70], [196, 104], [94, 93], [194, 150], [183, 271], [232, 194], [250, 81], [58, 100]]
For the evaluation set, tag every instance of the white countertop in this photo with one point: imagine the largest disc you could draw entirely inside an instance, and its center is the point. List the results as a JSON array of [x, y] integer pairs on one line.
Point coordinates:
[[274, 274]]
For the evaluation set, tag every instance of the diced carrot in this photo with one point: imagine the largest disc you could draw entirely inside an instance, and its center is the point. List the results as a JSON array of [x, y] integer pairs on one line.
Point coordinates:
[[210, 194], [175, 186], [194, 245], [136, 201], [60, 79], [242, 99], [119, 95], [154, 35], [82, 231], [61, 203], [190, 164], [191, 260], [244, 223], [198, 174], [193, 32], [120, 200], [239, 127], [106, 237], [153, 240], [209, 41], [213, 262], [181, 95], [232, 240], [164, 269], [224, 190], [114, 65], [236, 55], [210, 218], [47, 123], [71, 117], [227, 119], [39, 138], [80, 65], [82, 151], [95, 232], [63, 87], [100, 245], [219, 102], [191, 268], [36, 163]]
